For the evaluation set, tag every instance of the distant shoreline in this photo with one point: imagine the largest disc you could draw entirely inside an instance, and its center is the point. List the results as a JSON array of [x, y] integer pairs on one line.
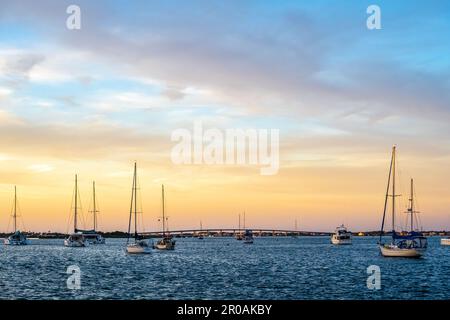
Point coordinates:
[[121, 234]]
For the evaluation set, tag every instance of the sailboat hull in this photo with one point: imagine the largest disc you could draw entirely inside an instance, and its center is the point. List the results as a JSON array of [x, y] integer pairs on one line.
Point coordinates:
[[165, 244], [337, 241], [164, 247], [94, 239], [9, 242], [16, 239], [394, 251], [138, 249], [75, 244], [445, 241], [76, 240]]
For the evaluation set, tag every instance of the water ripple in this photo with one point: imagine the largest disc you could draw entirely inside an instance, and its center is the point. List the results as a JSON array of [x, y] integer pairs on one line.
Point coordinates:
[[223, 268]]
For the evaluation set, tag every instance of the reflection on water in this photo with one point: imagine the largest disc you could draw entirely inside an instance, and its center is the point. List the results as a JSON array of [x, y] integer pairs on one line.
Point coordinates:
[[223, 268]]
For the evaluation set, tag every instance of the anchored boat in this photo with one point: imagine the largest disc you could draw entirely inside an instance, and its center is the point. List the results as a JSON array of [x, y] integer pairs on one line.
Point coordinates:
[[166, 243], [410, 245], [248, 236], [445, 241], [341, 236], [139, 245], [92, 236], [76, 239], [17, 238]]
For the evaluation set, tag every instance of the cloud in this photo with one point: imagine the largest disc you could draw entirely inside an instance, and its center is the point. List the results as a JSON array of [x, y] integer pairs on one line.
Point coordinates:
[[86, 140], [16, 65], [174, 93], [5, 92], [40, 168], [7, 118], [258, 59]]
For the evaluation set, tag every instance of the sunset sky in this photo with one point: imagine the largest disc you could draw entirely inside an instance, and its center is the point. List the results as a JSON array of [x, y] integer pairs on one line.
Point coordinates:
[[93, 101]]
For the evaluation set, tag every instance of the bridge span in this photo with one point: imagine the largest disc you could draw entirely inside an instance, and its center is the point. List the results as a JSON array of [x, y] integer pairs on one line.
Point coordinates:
[[232, 232]]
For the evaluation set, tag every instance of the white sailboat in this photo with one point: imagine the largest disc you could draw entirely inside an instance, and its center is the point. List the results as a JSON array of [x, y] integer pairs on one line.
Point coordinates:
[[92, 236], [139, 245], [411, 245], [341, 236], [17, 238], [166, 243], [76, 239]]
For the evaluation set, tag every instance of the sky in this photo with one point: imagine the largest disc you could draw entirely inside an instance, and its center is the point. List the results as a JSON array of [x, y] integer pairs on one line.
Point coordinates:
[[93, 101]]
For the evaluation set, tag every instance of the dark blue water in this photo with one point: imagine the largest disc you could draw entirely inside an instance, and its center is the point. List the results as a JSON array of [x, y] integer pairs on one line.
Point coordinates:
[[223, 268]]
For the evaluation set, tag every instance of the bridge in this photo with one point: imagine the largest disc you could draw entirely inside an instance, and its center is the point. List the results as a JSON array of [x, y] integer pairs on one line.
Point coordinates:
[[232, 232]]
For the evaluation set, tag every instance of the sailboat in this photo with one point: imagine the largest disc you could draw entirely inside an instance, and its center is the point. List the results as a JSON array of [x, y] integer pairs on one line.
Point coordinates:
[[166, 243], [92, 236], [411, 245], [140, 245], [239, 234], [76, 239], [17, 238]]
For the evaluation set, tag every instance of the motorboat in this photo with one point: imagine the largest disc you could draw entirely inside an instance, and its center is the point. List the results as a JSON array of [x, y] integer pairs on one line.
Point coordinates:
[[341, 236]]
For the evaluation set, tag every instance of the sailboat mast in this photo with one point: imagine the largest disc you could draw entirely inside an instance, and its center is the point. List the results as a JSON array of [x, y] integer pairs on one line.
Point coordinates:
[[244, 219], [163, 214], [94, 205], [135, 202], [412, 205], [131, 205], [387, 195], [239, 214], [76, 205], [15, 209], [393, 191]]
